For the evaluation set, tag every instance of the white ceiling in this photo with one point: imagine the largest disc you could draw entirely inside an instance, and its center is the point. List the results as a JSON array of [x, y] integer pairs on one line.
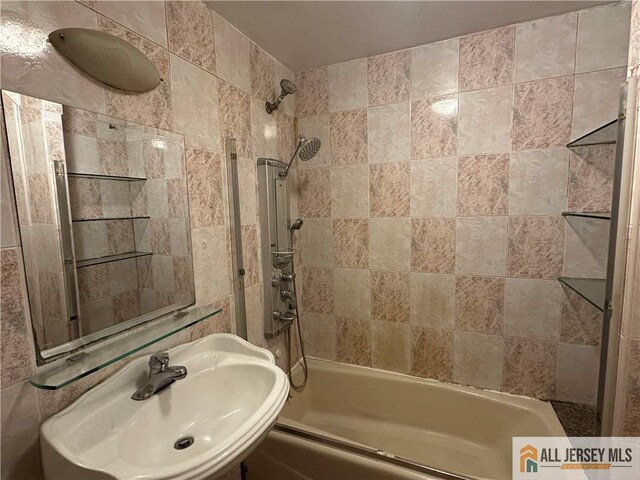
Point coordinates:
[[304, 34]]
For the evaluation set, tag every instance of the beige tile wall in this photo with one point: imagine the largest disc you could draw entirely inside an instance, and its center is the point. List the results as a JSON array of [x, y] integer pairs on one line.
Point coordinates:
[[433, 235], [215, 81]]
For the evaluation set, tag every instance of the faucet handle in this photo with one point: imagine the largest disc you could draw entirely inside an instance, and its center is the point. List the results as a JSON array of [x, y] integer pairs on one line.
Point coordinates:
[[159, 360]]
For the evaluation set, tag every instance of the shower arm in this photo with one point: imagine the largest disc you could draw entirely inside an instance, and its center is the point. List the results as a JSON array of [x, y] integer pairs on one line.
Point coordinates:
[[286, 171]]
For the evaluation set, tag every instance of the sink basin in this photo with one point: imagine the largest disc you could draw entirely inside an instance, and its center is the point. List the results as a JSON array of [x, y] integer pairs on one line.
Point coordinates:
[[196, 429]]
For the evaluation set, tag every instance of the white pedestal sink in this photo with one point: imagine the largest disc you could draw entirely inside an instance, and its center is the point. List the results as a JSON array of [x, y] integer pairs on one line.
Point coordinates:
[[227, 404]]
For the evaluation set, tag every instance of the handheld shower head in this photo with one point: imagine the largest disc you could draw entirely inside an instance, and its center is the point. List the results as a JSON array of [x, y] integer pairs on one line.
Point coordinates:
[[297, 224], [287, 88], [306, 150]]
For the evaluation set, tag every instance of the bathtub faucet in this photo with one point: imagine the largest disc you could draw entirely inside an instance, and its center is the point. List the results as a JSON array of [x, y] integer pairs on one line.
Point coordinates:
[[288, 295]]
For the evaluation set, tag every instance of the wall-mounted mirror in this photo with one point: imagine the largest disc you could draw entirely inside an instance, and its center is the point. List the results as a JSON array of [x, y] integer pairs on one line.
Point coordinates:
[[104, 221]]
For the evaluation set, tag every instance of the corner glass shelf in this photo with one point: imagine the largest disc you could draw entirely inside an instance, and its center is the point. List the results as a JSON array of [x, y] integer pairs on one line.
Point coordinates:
[[596, 215], [605, 135], [106, 219], [97, 176], [591, 289], [100, 355], [110, 258]]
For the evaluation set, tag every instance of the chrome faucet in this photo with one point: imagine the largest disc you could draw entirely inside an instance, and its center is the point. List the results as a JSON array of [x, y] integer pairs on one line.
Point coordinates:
[[288, 295], [161, 375]]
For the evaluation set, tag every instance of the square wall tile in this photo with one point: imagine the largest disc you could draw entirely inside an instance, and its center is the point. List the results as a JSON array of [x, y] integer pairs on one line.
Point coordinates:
[[315, 239], [538, 183], [434, 127], [262, 72], [389, 133], [390, 243], [484, 123], [390, 296], [389, 78], [352, 290], [542, 113], [582, 388], [350, 191], [432, 300], [351, 243], [530, 368], [546, 47], [348, 132], [235, 117], [586, 248], [481, 246], [348, 85], [390, 346], [211, 253], [486, 59], [603, 37], [432, 353], [591, 178], [389, 190], [312, 95], [232, 54], [533, 309], [434, 187], [480, 304], [478, 360], [316, 126], [146, 18], [434, 69], [483, 185], [353, 341], [319, 332], [314, 193], [536, 247], [581, 322], [317, 290], [204, 180], [264, 131], [433, 244]]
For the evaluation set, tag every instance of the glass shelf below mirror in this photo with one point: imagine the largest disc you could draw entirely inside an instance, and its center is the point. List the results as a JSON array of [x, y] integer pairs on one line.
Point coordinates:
[[108, 219], [110, 258], [595, 215], [97, 176], [591, 289], [93, 358], [604, 135]]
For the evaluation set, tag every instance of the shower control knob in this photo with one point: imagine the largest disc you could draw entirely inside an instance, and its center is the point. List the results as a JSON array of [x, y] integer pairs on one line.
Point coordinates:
[[275, 282], [288, 277]]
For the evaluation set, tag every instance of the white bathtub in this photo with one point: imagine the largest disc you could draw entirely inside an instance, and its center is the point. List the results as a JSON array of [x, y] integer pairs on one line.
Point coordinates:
[[350, 420]]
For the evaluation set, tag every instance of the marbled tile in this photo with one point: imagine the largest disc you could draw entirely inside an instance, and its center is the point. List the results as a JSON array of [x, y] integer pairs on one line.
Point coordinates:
[[352, 292], [317, 290], [582, 388], [262, 71], [478, 360], [390, 244], [484, 124], [79, 122], [176, 197], [483, 185], [353, 341], [434, 187], [389, 78], [151, 108], [348, 132], [391, 346], [542, 113], [319, 333], [433, 245], [264, 131], [591, 178], [481, 245], [581, 322], [182, 275], [603, 37], [634, 42], [119, 235], [159, 236], [153, 160], [126, 306], [314, 193], [315, 126], [632, 406], [312, 96], [220, 323], [211, 253], [533, 308], [190, 28], [434, 127], [486, 59], [389, 133], [204, 177], [536, 247], [546, 47], [538, 182], [480, 304], [250, 254], [232, 54], [348, 85], [390, 296], [51, 294], [54, 139], [434, 69], [315, 242], [40, 199], [530, 367], [350, 191], [86, 199], [432, 353], [143, 17], [112, 156], [432, 300], [235, 117], [389, 190], [351, 243], [586, 247], [286, 131]]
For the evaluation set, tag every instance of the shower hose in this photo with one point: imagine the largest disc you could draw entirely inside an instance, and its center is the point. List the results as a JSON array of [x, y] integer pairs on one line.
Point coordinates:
[[305, 369]]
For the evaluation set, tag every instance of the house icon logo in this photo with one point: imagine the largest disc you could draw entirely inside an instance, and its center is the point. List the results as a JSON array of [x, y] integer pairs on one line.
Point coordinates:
[[528, 459]]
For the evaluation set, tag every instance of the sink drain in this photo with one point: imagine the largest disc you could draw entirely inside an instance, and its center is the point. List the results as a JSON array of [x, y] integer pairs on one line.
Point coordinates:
[[184, 442]]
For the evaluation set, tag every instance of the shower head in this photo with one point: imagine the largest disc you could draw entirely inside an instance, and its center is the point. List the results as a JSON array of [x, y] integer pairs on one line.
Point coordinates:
[[297, 224], [287, 88], [306, 150]]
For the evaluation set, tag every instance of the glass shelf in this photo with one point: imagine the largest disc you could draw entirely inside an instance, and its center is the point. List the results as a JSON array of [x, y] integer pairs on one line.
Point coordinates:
[[98, 176], [110, 258], [106, 219], [597, 215], [96, 357], [605, 135], [591, 289]]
